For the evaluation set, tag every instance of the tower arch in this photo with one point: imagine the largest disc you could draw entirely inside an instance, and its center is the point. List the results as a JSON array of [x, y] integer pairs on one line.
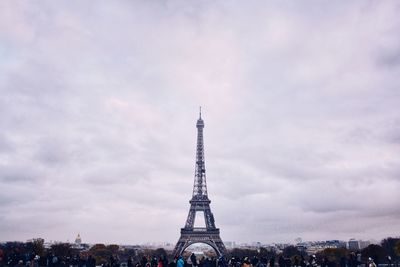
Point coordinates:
[[212, 245]]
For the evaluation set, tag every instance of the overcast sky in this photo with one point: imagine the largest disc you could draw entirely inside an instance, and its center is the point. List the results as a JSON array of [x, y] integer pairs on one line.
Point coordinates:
[[99, 101]]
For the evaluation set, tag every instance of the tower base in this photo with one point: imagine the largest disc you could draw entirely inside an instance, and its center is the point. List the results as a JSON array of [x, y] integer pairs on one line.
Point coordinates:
[[199, 235]]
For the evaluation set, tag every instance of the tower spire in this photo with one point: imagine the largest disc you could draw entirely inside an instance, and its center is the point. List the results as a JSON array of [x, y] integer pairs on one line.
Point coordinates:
[[200, 186], [200, 113]]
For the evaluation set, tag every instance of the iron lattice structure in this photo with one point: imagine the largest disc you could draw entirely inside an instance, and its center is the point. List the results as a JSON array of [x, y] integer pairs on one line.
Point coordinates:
[[200, 203]]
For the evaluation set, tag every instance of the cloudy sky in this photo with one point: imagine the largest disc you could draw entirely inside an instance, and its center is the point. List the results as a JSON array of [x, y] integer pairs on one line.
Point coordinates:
[[99, 100]]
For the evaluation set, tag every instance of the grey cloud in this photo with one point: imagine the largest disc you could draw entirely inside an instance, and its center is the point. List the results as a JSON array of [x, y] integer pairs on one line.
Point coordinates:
[[17, 173], [389, 57], [6, 145]]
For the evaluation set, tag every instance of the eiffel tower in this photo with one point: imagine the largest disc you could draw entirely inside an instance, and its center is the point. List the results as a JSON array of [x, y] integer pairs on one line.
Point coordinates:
[[200, 203]]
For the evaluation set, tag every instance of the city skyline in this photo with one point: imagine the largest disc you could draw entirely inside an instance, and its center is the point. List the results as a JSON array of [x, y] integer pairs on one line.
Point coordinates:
[[98, 110]]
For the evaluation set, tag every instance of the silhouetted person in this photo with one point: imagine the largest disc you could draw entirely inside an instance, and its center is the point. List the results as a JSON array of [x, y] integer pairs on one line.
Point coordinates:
[[352, 260], [201, 261], [312, 261], [263, 262], [288, 262], [254, 261], [20, 264], [164, 260], [296, 261], [143, 261], [193, 260], [213, 261], [221, 262], [272, 262], [91, 262], [303, 261], [207, 262], [160, 263], [246, 262], [54, 260], [389, 260], [343, 262], [173, 262], [180, 262], [359, 261], [281, 261], [324, 262], [371, 263], [154, 262]]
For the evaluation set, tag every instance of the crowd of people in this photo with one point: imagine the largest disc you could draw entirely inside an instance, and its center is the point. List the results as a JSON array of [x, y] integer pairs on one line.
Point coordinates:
[[222, 261], [51, 260]]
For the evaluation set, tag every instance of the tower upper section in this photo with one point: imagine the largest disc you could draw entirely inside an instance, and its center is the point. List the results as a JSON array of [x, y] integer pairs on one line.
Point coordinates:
[[200, 186]]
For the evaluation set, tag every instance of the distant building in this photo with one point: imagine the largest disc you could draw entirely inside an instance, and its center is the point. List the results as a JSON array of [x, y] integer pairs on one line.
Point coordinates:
[[256, 244], [230, 244], [78, 243], [335, 244], [313, 247], [302, 247], [314, 250], [78, 240], [353, 244]]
